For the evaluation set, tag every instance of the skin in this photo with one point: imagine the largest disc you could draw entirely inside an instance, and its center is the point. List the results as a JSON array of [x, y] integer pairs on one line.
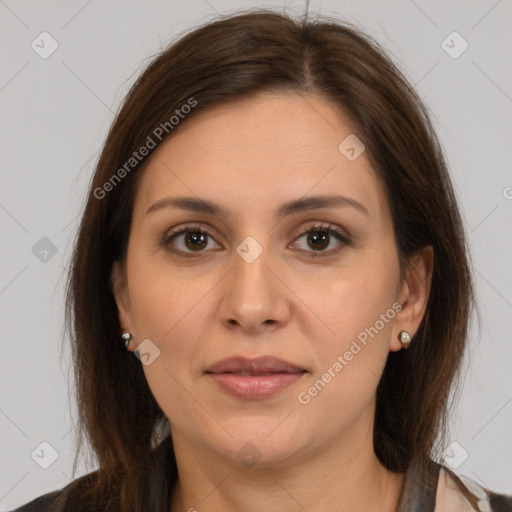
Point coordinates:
[[201, 306]]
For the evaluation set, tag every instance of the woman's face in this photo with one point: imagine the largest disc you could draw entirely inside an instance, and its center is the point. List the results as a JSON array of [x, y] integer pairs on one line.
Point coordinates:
[[260, 274]]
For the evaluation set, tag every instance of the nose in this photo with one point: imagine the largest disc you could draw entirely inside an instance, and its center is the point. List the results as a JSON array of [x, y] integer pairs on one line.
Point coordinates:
[[254, 300]]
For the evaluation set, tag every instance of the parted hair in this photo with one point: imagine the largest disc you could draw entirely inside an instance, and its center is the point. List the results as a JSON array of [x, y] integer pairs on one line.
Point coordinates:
[[230, 58]]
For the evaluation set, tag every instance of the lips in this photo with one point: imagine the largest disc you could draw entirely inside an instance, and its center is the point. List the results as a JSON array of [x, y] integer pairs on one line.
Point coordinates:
[[260, 365], [252, 379]]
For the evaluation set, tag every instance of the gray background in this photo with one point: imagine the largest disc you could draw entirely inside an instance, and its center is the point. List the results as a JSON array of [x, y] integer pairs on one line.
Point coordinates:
[[54, 116]]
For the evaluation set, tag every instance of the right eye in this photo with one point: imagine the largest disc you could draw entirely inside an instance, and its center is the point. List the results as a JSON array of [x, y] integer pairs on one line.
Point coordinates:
[[189, 239]]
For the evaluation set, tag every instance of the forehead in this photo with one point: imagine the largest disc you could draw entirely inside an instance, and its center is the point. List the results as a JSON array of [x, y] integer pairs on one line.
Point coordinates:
[[263, 150]]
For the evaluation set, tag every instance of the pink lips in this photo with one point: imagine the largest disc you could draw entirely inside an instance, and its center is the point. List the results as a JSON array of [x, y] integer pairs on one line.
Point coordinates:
[[253, 379]]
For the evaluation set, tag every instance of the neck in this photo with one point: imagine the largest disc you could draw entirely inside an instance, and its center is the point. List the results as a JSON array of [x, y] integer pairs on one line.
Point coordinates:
[[345, 476]]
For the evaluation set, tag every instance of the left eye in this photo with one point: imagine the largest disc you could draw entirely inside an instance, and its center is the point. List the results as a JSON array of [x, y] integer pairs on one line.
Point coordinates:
[[319, 238]]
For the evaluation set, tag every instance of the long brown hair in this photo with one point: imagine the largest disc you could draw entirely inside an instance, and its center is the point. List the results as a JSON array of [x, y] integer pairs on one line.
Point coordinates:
[[225, 60]]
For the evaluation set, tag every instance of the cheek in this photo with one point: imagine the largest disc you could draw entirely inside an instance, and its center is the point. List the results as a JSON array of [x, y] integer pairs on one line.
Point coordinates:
[[173, 310], [356, 301], [173, 315], [351, 362], [159, 295], [359, 310]]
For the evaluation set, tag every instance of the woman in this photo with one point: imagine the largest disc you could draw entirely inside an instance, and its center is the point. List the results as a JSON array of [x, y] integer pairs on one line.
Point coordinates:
[[272, 232]]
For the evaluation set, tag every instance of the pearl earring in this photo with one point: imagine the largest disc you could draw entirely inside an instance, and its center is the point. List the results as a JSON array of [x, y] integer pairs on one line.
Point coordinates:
[[405, 338], [127, 338]]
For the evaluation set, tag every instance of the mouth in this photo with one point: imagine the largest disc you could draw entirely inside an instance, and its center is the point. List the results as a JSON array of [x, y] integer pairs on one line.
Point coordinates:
[[253, 379]]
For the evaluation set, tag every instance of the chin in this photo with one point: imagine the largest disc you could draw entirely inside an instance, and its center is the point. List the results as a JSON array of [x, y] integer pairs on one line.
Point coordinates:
[[262, 445]]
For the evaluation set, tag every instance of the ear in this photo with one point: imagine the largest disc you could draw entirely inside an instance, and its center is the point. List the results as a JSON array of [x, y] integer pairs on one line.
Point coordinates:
[[413, 295], [119, 287]]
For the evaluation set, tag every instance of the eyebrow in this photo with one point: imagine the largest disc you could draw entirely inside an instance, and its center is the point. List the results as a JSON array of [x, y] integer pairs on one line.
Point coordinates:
[[196, 204]]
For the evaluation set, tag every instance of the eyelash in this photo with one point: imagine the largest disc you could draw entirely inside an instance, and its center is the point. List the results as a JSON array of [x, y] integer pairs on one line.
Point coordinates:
[[331, 229]]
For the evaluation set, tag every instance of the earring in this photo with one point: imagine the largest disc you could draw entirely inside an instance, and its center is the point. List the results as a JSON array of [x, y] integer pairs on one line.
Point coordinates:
[[405, 338], [128, 339]]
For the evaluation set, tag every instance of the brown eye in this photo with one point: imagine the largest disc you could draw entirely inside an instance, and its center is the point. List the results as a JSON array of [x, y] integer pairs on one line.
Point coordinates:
[[318, 240], [196, 240], [189, 239]]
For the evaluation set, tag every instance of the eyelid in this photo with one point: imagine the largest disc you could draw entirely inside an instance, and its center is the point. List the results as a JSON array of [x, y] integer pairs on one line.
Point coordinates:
[[322, 226]]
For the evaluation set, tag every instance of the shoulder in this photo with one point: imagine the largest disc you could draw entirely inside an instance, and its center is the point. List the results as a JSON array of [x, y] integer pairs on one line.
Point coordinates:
[[66, 499], [106, 488], [45, 503], [458, 492]]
